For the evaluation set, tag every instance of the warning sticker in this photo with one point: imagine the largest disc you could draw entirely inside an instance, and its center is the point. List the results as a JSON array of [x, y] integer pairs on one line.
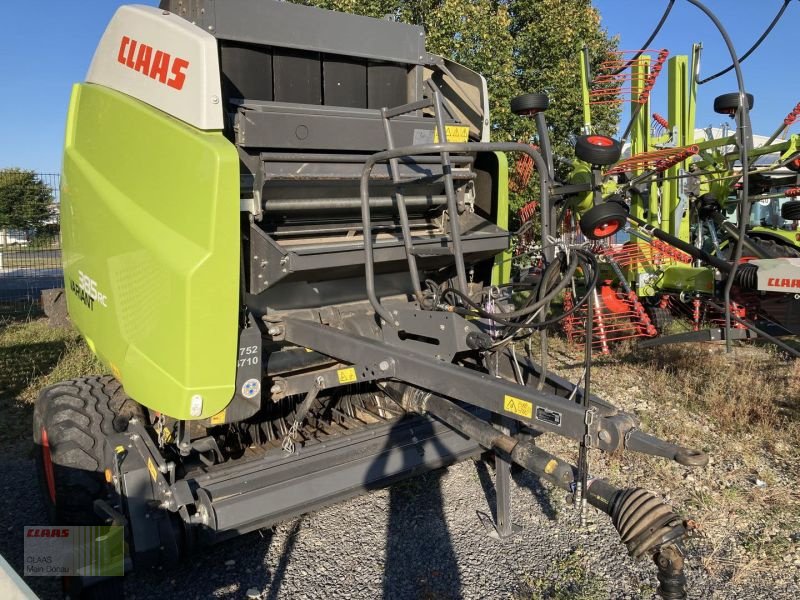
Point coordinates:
[[347, 375], [458, 134], [218, 419], [152, 468], [517, 406]]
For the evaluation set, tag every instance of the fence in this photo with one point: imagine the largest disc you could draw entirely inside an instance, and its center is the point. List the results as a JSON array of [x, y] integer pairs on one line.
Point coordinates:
[[30, 249]]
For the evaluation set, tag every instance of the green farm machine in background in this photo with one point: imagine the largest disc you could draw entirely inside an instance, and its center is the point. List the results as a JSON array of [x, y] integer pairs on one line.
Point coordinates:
[[663, 219]]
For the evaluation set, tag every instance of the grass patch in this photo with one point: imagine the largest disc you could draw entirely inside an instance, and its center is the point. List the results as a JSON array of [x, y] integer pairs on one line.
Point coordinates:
[[743, 409], [32, 356], [567, 579]]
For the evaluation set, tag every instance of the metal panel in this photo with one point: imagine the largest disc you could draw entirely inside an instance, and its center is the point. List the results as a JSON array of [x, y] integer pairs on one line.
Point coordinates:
[[344, 81], [246, 71], [293, 26], [297, 76], [387, 85], [277, 487], [323, 128]]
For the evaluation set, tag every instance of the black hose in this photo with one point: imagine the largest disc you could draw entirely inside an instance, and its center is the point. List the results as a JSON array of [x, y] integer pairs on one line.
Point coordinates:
[[745, 143], [584, 259], [753, 47], [650, 39]]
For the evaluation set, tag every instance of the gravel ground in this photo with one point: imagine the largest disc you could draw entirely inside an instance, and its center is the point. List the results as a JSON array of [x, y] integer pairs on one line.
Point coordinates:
[[419, 539]]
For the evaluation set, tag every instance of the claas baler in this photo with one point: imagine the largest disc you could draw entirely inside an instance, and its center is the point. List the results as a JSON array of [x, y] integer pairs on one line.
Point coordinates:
[[285, 235]]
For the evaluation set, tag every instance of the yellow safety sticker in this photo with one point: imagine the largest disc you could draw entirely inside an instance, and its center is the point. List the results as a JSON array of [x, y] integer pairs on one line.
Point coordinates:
[[152, 468], [119, 449], [347, 375], [551, 466], [517, 406], [219, 418], [455, 134]]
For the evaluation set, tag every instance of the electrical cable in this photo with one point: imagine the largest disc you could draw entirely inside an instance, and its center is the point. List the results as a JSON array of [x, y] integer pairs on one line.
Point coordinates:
[[753, 48]]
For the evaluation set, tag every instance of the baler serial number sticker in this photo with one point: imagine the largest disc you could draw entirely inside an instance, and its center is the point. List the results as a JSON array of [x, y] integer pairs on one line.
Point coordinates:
[[517, 406], [347, 375]]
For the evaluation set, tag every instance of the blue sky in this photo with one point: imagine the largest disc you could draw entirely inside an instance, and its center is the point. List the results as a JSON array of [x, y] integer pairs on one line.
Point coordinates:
[[47, 46]]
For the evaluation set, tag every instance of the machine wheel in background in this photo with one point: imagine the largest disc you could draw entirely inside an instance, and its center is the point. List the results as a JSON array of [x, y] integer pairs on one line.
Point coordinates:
[[728, 104], [598, 149], [791, 210], [530, 104], [775, 248]]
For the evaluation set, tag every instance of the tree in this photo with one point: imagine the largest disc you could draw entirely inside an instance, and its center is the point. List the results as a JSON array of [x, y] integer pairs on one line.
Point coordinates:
[[519, 46], [26, 202]]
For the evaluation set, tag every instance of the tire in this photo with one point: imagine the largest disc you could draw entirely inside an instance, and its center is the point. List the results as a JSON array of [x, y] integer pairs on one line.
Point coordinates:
[[598, 149], [70, 422], [603, 220], [530, 104], [728, 104], [791, 210], [661, 318], [775, 248]]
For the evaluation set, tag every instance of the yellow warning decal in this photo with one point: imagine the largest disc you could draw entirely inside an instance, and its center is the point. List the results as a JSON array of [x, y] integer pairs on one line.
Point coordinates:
[[219, 418], [551, 466], [347, 375], [152, 468], [517, 406], [455, 134]]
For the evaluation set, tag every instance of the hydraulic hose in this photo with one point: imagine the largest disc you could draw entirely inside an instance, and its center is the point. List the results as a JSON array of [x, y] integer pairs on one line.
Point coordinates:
[[745, 143], [753, 48], [650, 39]]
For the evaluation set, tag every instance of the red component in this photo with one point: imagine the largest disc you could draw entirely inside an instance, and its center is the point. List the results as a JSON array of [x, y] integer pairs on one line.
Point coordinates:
[[661, 121], [523, 169], [47, 461], [792, 116], [607, 229], [658, 160], [792, 192], [614, 82], [600, 140], [617, 316]]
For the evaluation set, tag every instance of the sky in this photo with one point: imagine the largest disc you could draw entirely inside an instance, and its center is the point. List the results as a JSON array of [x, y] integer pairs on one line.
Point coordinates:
[[47, 46]]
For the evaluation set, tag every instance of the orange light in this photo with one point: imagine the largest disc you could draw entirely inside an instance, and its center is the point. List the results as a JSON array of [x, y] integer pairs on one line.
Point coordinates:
[[109, 477]]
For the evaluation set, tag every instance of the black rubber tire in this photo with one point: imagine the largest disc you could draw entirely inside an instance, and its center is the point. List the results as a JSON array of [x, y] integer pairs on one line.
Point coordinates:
[[794, 164], [598, 150], [604, 220], [791, 210], [76, 416], [530, 104], [728, 104], [661, 318], [774, 247]]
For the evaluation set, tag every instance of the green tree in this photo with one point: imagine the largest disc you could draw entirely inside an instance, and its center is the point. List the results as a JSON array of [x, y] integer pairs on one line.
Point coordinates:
[[26, 202], [519, 46]]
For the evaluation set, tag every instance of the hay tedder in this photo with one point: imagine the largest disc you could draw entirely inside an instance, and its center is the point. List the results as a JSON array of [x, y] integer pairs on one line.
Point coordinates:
[[285, 236], [671, 225]]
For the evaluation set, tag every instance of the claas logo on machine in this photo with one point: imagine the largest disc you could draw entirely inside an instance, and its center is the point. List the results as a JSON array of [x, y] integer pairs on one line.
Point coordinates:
[[783, 283], [156, 64]]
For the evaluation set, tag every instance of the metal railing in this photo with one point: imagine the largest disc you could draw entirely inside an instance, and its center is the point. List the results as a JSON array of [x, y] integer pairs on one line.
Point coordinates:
[[30, 246]]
